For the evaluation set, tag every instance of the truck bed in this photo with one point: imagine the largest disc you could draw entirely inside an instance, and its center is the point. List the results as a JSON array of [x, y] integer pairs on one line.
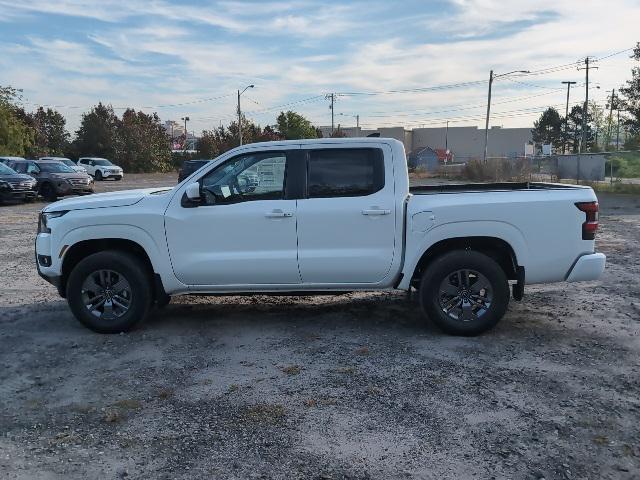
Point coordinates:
[[489, 187]]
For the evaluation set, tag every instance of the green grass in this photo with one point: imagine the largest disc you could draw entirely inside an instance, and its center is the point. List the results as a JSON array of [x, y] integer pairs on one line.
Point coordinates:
[[616, 187], [625, 165]]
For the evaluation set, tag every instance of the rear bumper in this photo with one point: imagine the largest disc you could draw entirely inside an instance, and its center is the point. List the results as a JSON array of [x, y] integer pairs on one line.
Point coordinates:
[[587, 267]]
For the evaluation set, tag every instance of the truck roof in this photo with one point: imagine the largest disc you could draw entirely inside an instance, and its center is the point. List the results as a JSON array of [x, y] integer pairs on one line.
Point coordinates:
[[309, 141]]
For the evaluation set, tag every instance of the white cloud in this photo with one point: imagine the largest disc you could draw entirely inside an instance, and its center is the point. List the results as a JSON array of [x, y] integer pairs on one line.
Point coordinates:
[[152, 54]]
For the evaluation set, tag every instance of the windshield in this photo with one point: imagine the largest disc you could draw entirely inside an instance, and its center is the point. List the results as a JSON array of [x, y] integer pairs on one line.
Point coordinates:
[[102, 162], [68, 162], [6, 170], [55, 167]]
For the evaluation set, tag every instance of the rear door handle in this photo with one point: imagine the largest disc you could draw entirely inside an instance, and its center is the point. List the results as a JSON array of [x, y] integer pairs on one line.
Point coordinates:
[[278, 214], [376, 211]]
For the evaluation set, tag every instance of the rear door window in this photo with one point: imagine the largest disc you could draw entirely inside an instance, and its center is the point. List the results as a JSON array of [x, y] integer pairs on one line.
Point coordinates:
[[348, 172]]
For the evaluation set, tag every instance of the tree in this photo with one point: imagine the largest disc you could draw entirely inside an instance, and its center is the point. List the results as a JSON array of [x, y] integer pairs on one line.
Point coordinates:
[[208, 145], [548, 128], [600, 125], [293, 126], [97, 133], [222, 139], [142, 144], [16, 137], [630, 96], [574, 130], [51, 136]]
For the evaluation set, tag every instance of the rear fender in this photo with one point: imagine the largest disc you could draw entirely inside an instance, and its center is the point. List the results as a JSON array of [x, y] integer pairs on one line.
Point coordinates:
[[419, 242]]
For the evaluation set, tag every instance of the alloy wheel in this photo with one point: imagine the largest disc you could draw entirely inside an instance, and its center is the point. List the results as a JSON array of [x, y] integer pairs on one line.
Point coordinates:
[[465, 295], [106, 294]]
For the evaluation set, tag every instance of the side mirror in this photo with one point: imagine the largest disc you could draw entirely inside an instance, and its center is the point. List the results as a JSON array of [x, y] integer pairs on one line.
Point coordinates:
[[193, 191]]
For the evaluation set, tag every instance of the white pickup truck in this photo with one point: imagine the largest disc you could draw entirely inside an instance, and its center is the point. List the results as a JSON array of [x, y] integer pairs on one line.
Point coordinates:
[[316, 216]]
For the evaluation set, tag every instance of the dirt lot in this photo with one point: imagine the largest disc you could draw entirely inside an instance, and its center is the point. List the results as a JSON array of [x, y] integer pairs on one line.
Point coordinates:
[[356, 386]]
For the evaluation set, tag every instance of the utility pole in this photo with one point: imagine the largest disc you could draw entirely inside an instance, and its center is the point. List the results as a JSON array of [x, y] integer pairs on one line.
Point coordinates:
[[446, 139], [585, 113], [586, 104], [486, 125], [618, 132], [613, 97], [332, 97], [239, 119], [492, 77], [566, 118], [358, 121]]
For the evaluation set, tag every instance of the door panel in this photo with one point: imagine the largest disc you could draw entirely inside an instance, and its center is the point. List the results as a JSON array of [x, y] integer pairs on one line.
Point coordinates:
[[249, 241], [347, 239]]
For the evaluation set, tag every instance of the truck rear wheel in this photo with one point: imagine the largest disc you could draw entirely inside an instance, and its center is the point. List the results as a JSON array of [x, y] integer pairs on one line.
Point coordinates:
[[110, 291], [464, 292]]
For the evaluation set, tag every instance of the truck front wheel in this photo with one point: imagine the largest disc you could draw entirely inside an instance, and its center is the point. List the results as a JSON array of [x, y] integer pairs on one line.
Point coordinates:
[[110, 291], [464, 292]]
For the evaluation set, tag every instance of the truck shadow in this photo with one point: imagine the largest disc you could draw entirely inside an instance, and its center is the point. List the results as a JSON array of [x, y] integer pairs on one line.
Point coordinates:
[[360, 310]]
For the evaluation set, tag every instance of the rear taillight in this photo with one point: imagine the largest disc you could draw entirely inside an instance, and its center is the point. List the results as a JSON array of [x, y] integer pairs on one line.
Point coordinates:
[[590, 226]]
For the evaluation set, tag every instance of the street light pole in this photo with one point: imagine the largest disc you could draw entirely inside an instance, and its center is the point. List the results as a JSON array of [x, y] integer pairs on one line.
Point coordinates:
[[240, 112], [492, 77], [186, 119]]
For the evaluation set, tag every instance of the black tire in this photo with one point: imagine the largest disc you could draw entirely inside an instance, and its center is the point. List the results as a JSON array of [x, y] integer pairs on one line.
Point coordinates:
[[98, 175], [445, 271], [123, 265], [48, 192]]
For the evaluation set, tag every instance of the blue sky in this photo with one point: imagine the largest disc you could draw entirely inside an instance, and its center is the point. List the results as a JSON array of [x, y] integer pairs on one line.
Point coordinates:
[[189, 58]]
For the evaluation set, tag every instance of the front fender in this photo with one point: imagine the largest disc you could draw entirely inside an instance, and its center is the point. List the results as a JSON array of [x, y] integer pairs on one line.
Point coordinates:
[[419, 242], [156, 253]]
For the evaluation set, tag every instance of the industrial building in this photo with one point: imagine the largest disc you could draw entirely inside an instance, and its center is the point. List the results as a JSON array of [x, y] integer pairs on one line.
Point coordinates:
[[464, 143]]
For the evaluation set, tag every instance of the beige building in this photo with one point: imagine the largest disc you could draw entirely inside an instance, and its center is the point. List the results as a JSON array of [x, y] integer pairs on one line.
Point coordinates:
[[464, 142]]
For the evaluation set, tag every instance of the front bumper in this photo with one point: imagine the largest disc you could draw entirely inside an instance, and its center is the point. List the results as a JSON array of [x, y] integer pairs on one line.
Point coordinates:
[[43, 259], [587, 267], [112, 175], [17, 194]]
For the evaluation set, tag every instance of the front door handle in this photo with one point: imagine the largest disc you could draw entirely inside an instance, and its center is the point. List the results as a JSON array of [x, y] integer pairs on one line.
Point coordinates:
[[278, 214], [376, 211]]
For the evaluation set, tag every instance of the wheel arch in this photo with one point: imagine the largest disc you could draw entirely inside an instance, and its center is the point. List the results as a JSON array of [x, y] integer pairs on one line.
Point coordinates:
[[82, 249], [498, 249]]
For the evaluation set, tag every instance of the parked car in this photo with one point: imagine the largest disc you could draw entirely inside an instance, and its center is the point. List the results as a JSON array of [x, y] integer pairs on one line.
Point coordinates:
[[54, 179], [15, 186], [68, 162], [101, 168], [344, 220], [6, 160], [190, 166]]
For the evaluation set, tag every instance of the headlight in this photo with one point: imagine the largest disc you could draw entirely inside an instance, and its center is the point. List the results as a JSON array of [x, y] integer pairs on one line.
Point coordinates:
[[45, 217]]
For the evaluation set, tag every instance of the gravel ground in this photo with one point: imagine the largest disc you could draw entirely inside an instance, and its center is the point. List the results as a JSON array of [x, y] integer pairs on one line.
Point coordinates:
[[355, 386]]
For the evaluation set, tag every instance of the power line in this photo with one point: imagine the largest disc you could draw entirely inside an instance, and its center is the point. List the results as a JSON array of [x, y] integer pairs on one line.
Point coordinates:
[[501, 115], [413, 90]]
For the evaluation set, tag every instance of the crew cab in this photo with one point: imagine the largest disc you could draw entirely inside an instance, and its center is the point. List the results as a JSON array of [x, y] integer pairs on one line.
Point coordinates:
[[317, 216], [101, 168]]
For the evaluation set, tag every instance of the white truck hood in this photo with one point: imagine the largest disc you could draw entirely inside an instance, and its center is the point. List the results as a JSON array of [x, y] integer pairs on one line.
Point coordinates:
[[102, 200]]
